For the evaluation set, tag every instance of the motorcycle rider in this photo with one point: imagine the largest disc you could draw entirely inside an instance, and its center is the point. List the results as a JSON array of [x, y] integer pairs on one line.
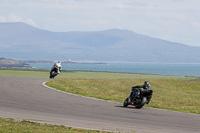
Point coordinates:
[[57, 67], [136, 90]]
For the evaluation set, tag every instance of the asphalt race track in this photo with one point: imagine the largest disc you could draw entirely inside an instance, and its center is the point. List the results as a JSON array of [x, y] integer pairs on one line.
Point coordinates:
[[28, 99]]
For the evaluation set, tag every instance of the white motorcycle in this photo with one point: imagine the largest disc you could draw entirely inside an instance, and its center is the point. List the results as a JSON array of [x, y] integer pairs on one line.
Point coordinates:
[[55, 70]]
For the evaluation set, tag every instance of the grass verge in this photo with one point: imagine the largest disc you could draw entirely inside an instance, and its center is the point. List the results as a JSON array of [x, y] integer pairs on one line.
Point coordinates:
[[16, 126]]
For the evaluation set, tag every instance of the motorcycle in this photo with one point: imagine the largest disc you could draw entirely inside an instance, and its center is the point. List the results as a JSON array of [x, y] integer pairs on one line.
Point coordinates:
[[139, 98], [53, 73]]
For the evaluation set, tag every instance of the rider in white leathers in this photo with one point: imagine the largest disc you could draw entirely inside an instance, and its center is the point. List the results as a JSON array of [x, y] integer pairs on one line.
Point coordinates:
[[57, 66]]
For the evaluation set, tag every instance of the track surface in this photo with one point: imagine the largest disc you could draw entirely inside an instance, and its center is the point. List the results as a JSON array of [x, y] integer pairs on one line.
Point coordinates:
[[28, 99]]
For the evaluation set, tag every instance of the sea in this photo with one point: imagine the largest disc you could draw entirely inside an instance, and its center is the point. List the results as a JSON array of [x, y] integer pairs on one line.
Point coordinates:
[[192, 70]]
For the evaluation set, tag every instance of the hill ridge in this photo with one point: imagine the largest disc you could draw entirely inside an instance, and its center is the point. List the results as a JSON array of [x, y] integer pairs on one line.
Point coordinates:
[[22, 41]]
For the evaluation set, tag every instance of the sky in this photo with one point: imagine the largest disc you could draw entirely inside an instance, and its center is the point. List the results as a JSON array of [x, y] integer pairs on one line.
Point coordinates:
[[172, 20]]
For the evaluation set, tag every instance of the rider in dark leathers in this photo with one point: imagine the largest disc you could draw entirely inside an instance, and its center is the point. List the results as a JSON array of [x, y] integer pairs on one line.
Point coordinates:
[[136, 90]]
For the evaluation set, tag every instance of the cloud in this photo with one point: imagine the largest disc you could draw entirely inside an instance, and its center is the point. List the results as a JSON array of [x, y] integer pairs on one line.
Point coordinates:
[[2, 19], [31, 22], [196, 24], [17, 18], [167, 15], [11, 18]]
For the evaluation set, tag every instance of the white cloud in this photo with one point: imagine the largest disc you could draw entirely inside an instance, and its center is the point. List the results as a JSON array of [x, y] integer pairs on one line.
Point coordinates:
[[2, 19], [167, 15], [15, 18], [196, 24], [31, 22], [118, 5]]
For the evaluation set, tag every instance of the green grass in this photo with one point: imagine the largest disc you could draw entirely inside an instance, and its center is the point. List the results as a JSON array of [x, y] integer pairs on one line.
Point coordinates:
[[35, 73], [24, 73], [178, 95], [16, 126]]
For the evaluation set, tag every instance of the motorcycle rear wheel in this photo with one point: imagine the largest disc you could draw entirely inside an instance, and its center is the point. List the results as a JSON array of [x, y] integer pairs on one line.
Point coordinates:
[[141, 104]]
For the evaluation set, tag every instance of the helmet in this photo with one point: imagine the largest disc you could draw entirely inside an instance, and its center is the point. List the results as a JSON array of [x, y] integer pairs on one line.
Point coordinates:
[[146, 84]]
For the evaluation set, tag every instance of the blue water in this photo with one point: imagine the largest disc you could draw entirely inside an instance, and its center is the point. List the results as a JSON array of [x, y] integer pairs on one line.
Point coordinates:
[[146, 68]]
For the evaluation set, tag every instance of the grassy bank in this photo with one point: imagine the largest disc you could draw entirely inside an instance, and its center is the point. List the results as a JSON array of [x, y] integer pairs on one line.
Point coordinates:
[[15, 126], [178, 95]]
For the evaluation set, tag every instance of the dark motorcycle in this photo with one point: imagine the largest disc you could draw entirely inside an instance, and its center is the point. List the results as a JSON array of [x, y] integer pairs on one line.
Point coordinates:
[[139, 98], [53, 73]]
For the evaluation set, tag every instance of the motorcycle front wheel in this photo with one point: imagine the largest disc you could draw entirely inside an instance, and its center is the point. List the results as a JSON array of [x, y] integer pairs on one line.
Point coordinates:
[[125, 104]]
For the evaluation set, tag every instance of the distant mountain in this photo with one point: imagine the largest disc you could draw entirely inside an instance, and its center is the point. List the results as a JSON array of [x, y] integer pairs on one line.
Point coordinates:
[[22, 41]]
